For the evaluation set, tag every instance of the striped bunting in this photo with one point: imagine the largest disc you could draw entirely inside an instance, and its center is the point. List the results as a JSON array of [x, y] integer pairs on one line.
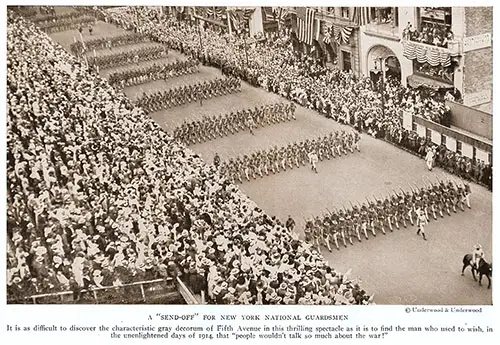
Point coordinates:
[[346, 34], [423, 53], [409, 50], [336, 33]]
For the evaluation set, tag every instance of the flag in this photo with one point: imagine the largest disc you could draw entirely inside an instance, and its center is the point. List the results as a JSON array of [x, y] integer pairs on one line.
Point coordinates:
[[281, 14], [361, 15], [317, 27], [269, 14], [305, 24], [327, 34], [239, 18]]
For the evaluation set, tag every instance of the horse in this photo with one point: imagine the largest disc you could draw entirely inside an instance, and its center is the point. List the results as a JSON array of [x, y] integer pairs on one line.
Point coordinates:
[[484, 268]]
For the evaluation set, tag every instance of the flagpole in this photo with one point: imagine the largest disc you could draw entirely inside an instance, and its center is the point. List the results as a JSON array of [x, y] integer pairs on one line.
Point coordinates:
[[229, 29], [246, 52]]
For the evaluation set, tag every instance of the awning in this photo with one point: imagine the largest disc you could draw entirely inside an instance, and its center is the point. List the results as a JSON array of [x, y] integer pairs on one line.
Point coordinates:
[[416, 80]]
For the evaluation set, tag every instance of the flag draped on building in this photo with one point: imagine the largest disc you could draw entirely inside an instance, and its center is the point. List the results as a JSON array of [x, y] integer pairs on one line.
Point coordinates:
[[327, 34], [306, 25], [361, 15], [337, 33]]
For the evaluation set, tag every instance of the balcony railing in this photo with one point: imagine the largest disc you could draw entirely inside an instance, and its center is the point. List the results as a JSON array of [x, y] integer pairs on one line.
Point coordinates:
[[152, 291]]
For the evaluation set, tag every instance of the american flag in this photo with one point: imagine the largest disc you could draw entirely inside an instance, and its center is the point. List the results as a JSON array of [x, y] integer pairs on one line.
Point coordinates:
[[305, 24], [361, 16]]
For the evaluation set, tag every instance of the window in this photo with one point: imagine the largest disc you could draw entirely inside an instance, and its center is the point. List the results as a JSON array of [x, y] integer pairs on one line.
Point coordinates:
[[443, 139], [473, 152], [384, 15], [345, 12], [346, 61], [414, 126], [428, 133], [434, 26], [459, 147]]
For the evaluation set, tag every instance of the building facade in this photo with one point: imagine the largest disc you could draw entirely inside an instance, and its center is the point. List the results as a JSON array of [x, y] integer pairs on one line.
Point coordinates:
[[437, 47]]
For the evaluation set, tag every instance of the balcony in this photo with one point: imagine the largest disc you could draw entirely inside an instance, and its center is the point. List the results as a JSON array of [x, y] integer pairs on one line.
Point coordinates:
[[454, 47]]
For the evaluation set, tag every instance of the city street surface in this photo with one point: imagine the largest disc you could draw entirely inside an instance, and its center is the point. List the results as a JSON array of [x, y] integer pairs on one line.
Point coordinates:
[[400, 267]]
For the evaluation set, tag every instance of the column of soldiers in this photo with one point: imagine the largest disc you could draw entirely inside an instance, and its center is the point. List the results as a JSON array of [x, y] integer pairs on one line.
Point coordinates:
[[275, 160], [188, 93], [66, 24], [403, 208], [78, 48], [211, 127], [48, 14], [128, 57], [156, 71]]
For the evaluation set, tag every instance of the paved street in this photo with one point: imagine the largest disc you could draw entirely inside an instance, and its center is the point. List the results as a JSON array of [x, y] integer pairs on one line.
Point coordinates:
[[399, 268]]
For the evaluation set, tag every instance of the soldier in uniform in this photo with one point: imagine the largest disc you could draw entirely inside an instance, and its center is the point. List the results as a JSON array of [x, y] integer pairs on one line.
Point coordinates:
[[364, 220], [342, 226], [422, 221], [313, 159]]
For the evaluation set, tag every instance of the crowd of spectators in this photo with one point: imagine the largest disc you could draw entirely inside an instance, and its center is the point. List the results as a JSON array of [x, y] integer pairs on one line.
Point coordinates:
[[430, 33], [99, 195], [276, 67]]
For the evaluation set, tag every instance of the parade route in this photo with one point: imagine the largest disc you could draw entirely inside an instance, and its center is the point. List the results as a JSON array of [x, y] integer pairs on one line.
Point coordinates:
[[398, 268]]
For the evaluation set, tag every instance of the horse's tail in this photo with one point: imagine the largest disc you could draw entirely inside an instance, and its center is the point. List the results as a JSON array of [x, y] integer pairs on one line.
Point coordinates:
[[467, 258]]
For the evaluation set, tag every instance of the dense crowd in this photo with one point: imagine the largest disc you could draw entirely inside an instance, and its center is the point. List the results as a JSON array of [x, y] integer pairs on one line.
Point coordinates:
[[275, 66], [113, 60], [188, 93], [98, 195], [377, 215], [156, 71], [79, 48], [296, 154], [430, 33], [211, 127]]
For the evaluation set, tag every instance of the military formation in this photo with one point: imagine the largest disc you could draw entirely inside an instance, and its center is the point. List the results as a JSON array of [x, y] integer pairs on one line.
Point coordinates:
[[79, 48], [401, 209], [128, 57], [211, 127], [188, 93], [294, 155], [66, 24], [156, 71]]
